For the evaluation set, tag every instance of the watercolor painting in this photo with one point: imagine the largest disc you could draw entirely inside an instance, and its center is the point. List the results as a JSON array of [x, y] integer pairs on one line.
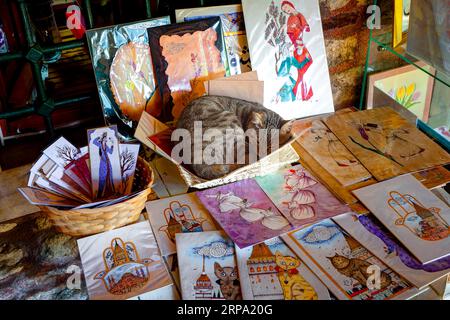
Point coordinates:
[[233, 28], [245, 212], [271, 271], [345, 266], [382, 243], [180, 214], [288, 51], [414, 215], [409, 86], [124, 74], [123, 263], [62, 152], [104, 157], [208, 269], [187, 55], [300, 197]]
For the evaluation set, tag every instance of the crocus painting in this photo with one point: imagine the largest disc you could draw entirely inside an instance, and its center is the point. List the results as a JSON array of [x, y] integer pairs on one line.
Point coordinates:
[[345, 266], [300, 197], [288, 51], [419, 219], [122, 264], [271, 271], [208, 269], [245, 212], [378, 240], [105, 162]]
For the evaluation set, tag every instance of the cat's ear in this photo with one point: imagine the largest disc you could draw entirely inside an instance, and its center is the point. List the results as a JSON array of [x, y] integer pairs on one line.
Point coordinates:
[[217, 266], [257, 120]]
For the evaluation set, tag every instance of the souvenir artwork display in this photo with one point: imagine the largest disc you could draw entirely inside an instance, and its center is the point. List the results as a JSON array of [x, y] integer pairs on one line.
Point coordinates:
[[414, 215], [234, 32], [378, 240], [385, 143], [104, 157], [411, 87], [124, 73], [128, 160], [123, 263], [299, 197], [344, 265], [245, 212], [271, 271], [288, 51], [180, 214], [326, 149], [208, 269], [184, 56], [402, 9]]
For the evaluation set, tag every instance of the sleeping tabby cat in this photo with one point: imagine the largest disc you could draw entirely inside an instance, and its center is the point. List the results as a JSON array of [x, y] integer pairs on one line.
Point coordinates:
[[224, 113]]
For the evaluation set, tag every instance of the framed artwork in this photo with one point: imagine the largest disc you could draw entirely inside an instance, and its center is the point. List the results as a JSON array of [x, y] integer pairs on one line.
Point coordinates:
[[402, 10], [208, 269], [299, 196], [104, 157], [386, 144], [344, 265], [124, 73], [245, 212], [184, 56], [409, 86], [382, 243], [180, 214], [287, 49], [123, 263], [271, 271], [429, 39], [233, 30], [326, 149], [419, 219]]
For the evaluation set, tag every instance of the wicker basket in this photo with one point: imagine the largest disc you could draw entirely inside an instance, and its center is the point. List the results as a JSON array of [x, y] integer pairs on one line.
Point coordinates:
[[86, 222]]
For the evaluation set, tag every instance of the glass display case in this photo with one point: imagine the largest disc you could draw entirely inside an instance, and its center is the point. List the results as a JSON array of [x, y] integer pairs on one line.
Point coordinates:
[[418, 89]]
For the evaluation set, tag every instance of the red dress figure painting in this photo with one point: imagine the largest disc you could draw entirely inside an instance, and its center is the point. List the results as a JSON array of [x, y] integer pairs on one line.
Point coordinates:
[[302, 60]]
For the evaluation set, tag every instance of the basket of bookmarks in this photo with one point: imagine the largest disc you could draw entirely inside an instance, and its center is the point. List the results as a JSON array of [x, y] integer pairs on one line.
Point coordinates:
[[84, 222]]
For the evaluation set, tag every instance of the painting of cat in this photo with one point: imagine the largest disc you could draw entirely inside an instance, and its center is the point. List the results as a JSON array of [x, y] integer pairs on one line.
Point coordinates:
[[228, 279], [294, 286]]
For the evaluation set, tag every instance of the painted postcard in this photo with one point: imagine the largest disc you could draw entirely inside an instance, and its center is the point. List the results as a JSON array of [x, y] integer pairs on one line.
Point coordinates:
[[245, 212], [300, 197], [43, 198], [385, 143], [382, 243], [104, 160], [414, 215], [326, 149], [208, 269], [123, 263], [347, 268], [180, 214], [287, 49], [128, 160], [271, 271], [62, 152], [234, 32]]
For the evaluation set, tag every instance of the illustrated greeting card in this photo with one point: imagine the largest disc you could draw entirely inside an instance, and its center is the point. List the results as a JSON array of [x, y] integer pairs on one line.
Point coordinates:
[[185, 55], [326, 149], [300, 197], [180, 214], [234, 32], [245, 212], [62, 152], [104, 159], [385, 143], [378, 240], [123, 263], [271, 271], [414, 215], [208, 269], [287, 49], [348, 269], [123, 68], [128, 159]]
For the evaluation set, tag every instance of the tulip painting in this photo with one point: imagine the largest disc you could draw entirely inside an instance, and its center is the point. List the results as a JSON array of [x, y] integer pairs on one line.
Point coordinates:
[[406, 95]]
